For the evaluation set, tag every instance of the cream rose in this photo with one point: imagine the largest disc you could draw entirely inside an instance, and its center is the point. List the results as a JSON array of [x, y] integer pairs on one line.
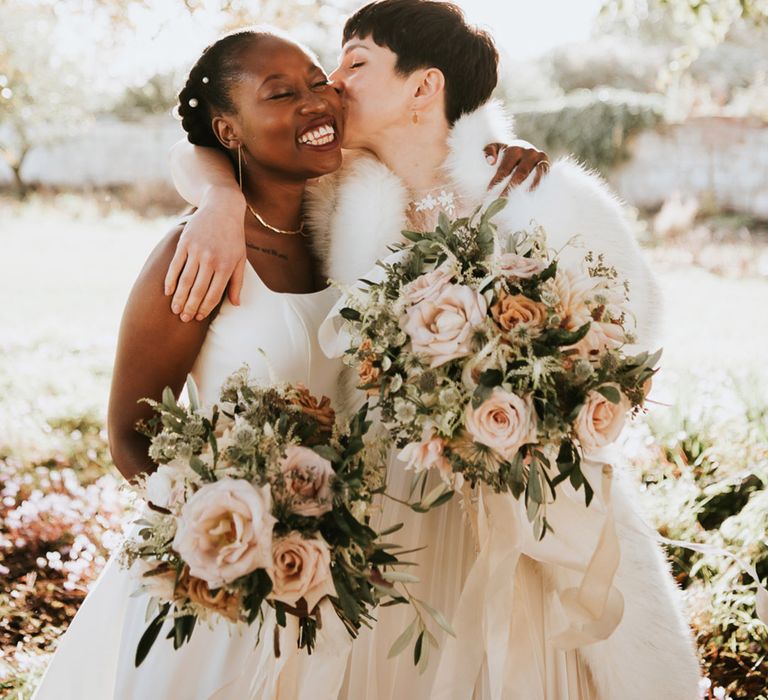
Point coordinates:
[[510, 310], [429, 285], [442, 328], [429, 453], [600, 421], [301, 569], [513, 265], [165, 486], [504, 422], [574, 289], [601, 336], [225, 531], [308, 480]]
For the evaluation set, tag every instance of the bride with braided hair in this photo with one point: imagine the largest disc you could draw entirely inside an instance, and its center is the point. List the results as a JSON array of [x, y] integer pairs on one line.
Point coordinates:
[[230, 104]]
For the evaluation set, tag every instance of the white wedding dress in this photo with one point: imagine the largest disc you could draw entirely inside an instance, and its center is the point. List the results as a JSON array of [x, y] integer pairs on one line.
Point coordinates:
[[95, 658]]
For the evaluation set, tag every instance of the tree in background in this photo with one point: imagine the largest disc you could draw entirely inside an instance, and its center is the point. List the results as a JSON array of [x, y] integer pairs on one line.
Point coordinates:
[[64, 62]]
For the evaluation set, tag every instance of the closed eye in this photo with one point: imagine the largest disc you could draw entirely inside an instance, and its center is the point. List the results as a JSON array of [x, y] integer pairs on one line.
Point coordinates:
[[358, 64], [320, 84], [280, 95]]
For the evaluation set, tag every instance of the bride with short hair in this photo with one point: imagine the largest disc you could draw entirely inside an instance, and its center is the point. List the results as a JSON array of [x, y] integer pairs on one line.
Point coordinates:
[[413, 78]]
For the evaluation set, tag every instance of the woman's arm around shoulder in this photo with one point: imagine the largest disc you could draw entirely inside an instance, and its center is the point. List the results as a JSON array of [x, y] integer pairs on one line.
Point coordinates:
[[154, 350], [210, 255]]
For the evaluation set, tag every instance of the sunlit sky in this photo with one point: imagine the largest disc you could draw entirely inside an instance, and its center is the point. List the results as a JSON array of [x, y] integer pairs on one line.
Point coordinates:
[[165, 36], [527, 28]]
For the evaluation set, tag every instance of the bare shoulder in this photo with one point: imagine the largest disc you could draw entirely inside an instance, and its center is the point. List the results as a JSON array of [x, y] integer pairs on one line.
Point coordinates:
[[160, 258], [148, 290]]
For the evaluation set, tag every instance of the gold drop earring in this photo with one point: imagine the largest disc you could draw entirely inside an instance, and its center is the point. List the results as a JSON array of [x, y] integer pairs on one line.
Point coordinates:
[[240, 166], [415, 117]]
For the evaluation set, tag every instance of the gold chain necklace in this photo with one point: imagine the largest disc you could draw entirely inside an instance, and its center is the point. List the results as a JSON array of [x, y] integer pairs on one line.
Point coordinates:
[[274, 228]]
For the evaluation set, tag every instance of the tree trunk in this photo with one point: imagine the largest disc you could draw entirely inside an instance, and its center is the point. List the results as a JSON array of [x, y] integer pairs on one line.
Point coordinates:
[[20, 187]]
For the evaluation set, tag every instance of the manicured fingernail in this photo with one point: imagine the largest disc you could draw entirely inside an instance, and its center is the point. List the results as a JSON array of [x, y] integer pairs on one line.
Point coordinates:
[[176, 308], [185, 317], [199, 317]]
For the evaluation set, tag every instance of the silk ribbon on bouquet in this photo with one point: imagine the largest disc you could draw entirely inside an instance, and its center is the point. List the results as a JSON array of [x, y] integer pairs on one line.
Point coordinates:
[[584, 541]]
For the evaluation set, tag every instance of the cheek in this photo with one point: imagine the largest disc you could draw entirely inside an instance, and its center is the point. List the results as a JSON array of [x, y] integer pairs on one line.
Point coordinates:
[[271, 136]]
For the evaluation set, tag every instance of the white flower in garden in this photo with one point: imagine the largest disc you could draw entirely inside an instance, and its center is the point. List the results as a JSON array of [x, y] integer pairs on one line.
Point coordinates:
[[504, 422], [442, 328], [225, 531], [301, 569]]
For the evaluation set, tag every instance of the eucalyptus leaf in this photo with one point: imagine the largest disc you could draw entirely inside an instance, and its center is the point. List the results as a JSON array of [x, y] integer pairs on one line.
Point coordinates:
[[150, 634], [438, 617], [611, 393], [399, 577], [402, 642], [193, 393]]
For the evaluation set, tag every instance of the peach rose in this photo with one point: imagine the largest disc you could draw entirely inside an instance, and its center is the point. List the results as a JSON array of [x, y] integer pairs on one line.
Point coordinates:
[[427, 454], [442, 328], [308, 480], [428, 285], [510, 310], [600, 421], [321, 411], [513, 265], [301, 569], [224, 603], [504, 422], [225, 531]]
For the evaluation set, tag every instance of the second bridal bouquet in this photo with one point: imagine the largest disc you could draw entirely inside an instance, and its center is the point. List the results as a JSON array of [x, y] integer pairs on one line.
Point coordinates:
[[261, 500], [492, 362]]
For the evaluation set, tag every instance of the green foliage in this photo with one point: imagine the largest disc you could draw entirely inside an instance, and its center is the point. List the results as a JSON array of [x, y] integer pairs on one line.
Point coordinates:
[[594, 126], [704, 463]]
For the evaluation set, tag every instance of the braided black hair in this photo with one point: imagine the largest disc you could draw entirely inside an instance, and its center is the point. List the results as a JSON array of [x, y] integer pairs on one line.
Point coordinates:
[[207, 90]]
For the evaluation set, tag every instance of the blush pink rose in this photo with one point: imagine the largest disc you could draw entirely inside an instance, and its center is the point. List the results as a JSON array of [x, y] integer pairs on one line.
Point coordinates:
[[504, 422], [225, 531], [429, 285], [513, 265], [301, 569], [442, 328], [308, 481], [600, 421]]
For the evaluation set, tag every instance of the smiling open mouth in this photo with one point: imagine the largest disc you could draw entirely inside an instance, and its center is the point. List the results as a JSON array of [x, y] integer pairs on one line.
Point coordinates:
[[319, 135]]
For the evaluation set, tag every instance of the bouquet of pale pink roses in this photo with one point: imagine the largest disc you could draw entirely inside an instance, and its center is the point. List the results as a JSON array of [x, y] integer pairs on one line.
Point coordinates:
[[261, 500], [491, 362]]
